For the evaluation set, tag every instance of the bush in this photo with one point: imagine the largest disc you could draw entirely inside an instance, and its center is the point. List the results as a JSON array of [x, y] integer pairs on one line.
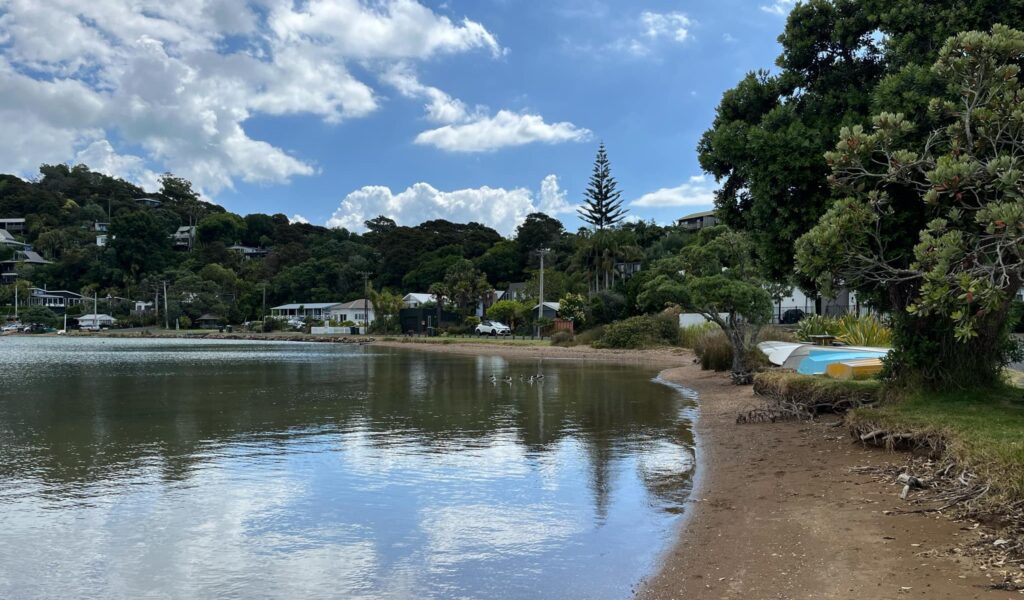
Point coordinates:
[[865, 331], [589, 337], [772, 333], [472, 321], [816, 325], [714, 351], [690, 335], [640, 332], [184, 322], [606, 307], [562, 338]]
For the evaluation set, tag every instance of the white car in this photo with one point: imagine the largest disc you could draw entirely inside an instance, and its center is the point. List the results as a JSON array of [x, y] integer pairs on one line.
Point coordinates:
[[492, 328]]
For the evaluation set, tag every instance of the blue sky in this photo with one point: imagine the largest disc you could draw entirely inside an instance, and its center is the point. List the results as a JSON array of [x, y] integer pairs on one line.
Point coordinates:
[[339, 110]]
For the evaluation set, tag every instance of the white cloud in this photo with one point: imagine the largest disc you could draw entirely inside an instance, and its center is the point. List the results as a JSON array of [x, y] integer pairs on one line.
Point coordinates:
[[440, 107], [101, 157], [500, 208], [674, 25], [297, 218], [504, 129], [697, 191], [180, 79], [779, 7], [728, 38]]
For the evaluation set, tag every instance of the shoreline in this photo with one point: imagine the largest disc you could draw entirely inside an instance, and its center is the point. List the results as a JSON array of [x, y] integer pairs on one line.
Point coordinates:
[[775, 511]]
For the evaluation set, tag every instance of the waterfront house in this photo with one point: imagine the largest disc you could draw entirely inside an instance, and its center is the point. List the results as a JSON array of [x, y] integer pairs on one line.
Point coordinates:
[[319, 311], [358, 311], [96, 322], [150, 201], [415, 300], [8, 268], [56, 300], [7, 239], [550, 310], [208, 321]]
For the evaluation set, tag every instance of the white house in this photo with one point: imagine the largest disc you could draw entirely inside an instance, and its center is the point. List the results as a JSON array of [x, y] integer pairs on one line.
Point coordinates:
[[309, 310], [96, 321], [417, 300], [358, 311]]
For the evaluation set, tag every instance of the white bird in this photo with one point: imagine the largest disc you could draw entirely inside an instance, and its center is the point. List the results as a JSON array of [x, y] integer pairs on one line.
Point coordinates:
[[494, 379], [531, 379], [508, 379], [540, 376]]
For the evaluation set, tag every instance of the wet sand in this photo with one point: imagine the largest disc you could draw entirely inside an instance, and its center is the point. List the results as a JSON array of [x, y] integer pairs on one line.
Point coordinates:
[[777, 514]]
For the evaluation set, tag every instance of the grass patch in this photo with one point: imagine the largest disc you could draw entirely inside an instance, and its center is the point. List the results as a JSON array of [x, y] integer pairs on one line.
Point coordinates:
[[791, 395], [982, 430], [483, 341]]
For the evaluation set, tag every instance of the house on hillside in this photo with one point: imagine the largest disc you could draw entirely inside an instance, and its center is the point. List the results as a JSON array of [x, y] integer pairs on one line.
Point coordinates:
[[96, 322], [550, 310], [150, 201], [515, 291], [319, 311], [7, 239], [13, 225], [698, 220], [359, 312], [249, 252], [184, 238], [8, 268], [56, 300]]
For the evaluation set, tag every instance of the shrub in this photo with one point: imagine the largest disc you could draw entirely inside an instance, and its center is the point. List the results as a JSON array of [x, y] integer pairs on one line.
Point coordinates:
[[590, 336], [714, 351], [562, 338], [606, 307], [816, 325], [865, 331], [772, 333], [639, 332], [184, 322], [691, 335], [472, 321]]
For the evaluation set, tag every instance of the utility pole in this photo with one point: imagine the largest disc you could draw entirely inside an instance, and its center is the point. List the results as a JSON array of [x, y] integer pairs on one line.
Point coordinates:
[[263, 315], [366, 298], [167, 323], [540, 306], [15, 299]]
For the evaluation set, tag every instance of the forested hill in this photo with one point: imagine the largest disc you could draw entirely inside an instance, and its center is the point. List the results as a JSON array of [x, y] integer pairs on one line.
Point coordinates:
[[295, 262]]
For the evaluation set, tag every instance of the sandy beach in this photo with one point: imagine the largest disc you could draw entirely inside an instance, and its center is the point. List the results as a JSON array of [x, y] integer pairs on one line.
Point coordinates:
[[777, 514]]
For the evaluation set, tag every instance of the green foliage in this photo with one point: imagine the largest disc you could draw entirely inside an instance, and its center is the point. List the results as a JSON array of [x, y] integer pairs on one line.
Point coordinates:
[[865, 331], [574, 308], [958, 194], [643, 331], [714, 351], [184, 322], [509, 312], [464, 285], [816, 325], [562, 338], [471, 321], [690, 335], [226, 228], [38, 315], [607, 307], [817, 394]]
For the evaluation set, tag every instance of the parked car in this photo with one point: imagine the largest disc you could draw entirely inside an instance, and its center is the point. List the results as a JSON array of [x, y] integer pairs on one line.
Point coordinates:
[[492, 328], [791, 316], [11, 328]]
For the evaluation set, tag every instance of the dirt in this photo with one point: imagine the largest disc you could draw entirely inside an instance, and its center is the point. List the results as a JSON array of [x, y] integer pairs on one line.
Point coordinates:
[[778, 515]]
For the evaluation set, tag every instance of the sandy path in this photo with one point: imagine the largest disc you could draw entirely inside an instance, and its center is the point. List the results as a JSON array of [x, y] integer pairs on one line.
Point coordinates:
[[777, 514]]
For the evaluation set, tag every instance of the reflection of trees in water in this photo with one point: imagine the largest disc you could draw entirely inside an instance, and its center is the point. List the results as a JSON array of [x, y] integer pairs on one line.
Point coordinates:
[[84, 426]]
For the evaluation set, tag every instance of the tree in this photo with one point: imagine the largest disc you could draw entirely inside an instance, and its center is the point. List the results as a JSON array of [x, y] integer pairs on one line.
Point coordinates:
[[952, 290], [719, 278], [139, 242], [574, 308], [502, 262], [386, 307], [538, 231], [226, 228], [509, 311], [767, 143], [602, 203], [465, 285]]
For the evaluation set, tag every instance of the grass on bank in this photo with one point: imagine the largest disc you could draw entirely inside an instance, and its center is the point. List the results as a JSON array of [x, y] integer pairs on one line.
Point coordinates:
[[983, 430], [489, 341]]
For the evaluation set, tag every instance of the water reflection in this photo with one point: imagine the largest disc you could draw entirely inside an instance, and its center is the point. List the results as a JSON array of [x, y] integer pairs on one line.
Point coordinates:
[[187, 469]]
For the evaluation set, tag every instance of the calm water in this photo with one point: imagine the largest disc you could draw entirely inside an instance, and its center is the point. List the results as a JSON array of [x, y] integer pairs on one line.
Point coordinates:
[[178, 469]]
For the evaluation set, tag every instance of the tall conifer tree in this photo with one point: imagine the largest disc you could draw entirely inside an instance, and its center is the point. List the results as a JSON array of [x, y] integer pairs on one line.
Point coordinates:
[[602, 204]]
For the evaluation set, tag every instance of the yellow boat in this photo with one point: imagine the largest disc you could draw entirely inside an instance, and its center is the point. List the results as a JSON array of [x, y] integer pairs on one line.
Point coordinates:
[[862, 368]]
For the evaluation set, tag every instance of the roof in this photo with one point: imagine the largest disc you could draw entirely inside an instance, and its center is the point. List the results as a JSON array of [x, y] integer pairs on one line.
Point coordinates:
[[96, 317], [12, 220], [355, 305], [555, 306], [517, 287], [421, 298], [698, 215], [313, 305], [209, 317], [65, 293], [34, 257]]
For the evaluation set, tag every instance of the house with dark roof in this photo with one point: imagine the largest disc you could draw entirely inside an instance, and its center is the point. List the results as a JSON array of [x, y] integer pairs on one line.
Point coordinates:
[[698, 220], [56, 300]]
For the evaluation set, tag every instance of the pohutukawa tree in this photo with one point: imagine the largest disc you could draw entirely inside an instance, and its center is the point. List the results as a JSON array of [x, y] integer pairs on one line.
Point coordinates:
[[602, 202], [951, 291], [720, 278]]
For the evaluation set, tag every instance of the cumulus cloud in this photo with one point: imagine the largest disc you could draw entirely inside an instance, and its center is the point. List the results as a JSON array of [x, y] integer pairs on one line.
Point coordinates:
[[440, 107], [779, 7], [500, 208], [697, 191], [297, 218], [506, 128], [178, 80], [673, 25]]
